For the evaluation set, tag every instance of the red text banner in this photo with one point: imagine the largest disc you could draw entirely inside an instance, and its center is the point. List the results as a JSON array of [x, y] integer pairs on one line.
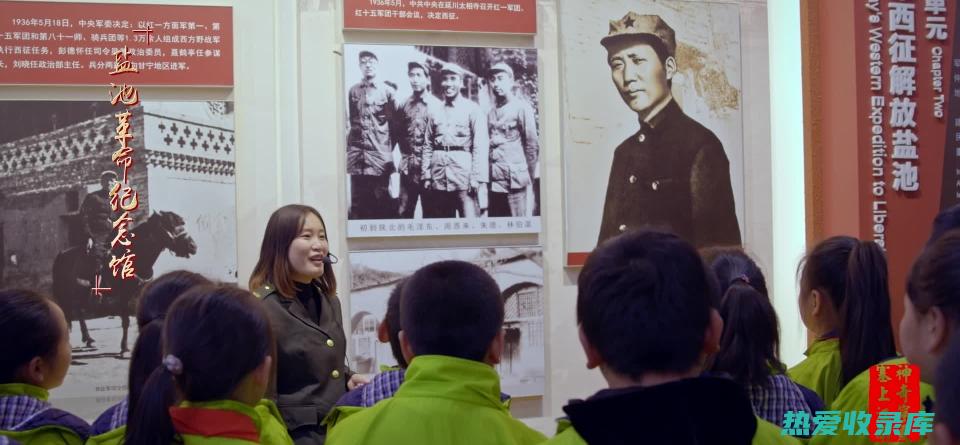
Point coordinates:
[[45, 43]]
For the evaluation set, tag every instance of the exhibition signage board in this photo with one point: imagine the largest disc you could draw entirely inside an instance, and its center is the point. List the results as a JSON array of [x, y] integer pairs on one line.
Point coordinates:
[[908, 95], [492, 16], [53, 43]]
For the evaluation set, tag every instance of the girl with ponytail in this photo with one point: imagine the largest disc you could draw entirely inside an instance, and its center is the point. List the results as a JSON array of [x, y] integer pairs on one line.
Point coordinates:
[[217, 355], [845, 303], [155, 300], [931, 315], [749, 345]]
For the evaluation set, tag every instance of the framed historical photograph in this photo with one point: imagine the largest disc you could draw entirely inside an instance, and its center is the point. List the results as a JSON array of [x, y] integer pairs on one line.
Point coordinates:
[[441, 140], [653, 116], [55, 229]]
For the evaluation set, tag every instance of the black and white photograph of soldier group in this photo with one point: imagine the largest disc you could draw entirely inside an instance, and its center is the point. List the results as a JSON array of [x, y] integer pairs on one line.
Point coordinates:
[[440, 133]]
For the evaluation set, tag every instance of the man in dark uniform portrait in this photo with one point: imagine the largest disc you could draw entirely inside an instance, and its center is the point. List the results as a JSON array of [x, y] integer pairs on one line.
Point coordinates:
[[413, 116], [456, 158], [514, 145], [672, 173], [97, 218], [370, 143]]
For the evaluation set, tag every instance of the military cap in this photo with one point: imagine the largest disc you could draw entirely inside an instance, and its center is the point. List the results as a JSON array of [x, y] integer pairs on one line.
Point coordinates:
[[451, 68], [501, 67], [634, 25], [419, 64]]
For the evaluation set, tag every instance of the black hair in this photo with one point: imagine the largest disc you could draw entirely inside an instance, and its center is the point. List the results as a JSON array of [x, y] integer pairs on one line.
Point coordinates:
[[946, 220], [219, 334], [749, 347], [853, 275], [155, 300], [731, 264], [948, 388], [157, 296], [934, 279], [644, 300], [29, 329], [392, 318], [451, 308]]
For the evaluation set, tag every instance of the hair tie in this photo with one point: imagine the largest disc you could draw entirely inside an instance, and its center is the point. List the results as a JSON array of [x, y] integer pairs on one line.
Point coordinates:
[[173, 364], [743, 278]]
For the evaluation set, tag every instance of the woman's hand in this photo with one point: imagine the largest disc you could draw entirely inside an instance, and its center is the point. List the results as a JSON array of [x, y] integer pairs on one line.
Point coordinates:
[[357, 380]]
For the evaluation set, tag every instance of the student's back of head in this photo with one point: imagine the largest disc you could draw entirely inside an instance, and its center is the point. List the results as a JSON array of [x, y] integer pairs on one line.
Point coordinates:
[[749, 347], [946, 220], [34, 357], [160, 293], [451, 308], [155, 300], [36, 347], [451, 317], [215, 339], [389, 329], [947, 428], [644, 305], [730, 263], [932, 307], [845, 279]]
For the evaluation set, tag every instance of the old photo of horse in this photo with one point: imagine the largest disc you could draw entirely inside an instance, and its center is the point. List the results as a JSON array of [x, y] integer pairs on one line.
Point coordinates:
[[55, 230], [518, 272]]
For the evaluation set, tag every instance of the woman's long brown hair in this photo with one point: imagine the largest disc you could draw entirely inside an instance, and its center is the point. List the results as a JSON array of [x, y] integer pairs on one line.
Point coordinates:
[[273, 267]]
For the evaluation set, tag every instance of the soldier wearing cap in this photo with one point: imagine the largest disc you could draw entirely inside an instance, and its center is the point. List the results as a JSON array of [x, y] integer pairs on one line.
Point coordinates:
[[411, 131], [96, 216], [514, 146], [673, 172], [370, 143], [457, 156]]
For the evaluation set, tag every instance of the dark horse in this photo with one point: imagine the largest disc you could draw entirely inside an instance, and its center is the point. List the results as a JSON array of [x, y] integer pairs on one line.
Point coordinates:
[[74, 269]]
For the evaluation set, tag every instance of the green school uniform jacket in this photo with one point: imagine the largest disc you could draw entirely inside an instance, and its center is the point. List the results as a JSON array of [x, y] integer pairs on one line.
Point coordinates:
[[112, 437], [443, 400], [691, 411], [856, 397], [822, 370], [767, 433], [227, 422], [27, 417]]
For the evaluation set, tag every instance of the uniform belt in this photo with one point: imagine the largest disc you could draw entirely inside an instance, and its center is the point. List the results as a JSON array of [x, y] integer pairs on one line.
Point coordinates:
[[453, 148]]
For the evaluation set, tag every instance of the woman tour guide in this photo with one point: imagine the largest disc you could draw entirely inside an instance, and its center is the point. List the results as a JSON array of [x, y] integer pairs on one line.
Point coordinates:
[[295, 280]]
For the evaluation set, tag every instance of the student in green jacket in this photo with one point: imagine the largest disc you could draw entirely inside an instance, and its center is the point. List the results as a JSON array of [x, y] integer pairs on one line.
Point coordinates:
[[932, 307], [218, 349], [385, 384], [646, 307], [34, 358], [158, 295], [854, 397], [931, 314], [845, 303], [947, 429], [451, 317]]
